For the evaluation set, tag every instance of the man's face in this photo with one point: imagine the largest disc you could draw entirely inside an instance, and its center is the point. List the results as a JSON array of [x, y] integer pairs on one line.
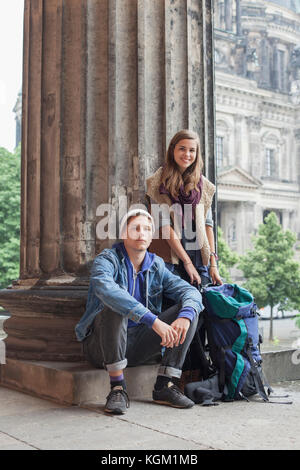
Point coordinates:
[[138, 235]]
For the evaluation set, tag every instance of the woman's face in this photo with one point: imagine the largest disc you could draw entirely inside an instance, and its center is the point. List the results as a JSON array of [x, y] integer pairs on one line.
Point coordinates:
[[185, 153]]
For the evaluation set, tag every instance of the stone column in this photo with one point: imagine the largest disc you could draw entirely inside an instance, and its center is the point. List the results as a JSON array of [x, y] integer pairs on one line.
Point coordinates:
[[254, 126], [296, 175], [106, 84], [238, 129], [238, 9], [276, 65], [228, 14], [247, 218], [265, 61], [286, 219]]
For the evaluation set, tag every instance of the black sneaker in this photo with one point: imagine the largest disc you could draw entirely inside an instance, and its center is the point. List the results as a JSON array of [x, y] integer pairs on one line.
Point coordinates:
[[171, 395], [117, 401]]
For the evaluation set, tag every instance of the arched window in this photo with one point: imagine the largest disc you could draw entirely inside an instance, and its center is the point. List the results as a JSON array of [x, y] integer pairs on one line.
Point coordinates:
[[223, 139], [270, 163], [271, 155]]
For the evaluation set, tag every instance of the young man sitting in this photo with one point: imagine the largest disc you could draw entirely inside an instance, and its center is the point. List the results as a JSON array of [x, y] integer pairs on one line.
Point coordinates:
[[123, 323]]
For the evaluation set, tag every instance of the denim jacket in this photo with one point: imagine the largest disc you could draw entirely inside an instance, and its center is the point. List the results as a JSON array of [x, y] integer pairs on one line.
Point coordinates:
[[109, 287]]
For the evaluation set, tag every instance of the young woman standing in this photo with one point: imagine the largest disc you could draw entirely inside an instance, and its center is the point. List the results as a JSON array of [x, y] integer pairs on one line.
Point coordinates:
[[186, 238]]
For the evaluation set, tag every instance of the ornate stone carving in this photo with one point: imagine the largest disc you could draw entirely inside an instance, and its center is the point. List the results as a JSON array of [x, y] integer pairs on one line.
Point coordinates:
[[254, 122]]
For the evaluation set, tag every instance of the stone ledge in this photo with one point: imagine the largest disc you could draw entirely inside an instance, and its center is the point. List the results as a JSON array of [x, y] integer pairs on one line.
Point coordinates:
[[79, 383], [72, 383], [281, 366]]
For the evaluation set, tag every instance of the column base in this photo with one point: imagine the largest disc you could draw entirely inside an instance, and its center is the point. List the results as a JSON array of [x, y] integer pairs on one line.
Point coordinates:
[[42, 322]]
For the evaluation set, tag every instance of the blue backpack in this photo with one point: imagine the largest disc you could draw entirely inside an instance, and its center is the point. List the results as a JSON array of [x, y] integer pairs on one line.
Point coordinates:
[[226, 349], [231, 323]]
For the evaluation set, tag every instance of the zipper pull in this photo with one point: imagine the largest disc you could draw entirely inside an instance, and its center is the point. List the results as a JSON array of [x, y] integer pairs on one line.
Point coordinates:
[[134, 279]]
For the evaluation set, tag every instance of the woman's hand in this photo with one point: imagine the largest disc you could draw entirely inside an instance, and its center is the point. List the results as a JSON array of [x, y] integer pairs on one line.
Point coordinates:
[[192, 272], [215, 276], [168, 334]]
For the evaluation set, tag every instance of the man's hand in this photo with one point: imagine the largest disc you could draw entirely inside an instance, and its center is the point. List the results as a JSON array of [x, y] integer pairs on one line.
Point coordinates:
[[167, 333], [181, 326]]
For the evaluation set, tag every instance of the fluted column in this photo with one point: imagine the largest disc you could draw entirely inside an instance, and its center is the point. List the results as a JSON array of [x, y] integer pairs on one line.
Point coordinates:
[[31, 132], [238, 15], [254, 126], [228, 14], [106, 84], [53, 138], [296, 175]]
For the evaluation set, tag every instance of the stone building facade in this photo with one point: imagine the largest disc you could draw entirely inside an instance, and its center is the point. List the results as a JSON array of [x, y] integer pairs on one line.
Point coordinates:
[[257, 74], [18, 118]]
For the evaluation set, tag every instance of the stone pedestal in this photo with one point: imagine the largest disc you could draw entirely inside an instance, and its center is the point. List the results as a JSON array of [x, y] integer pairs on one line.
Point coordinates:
[[106, 84], [77, 383], [42, 323], [73, 383]]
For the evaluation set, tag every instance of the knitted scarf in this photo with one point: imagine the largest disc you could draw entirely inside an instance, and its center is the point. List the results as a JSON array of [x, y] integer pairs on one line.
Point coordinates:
[[183, 198]]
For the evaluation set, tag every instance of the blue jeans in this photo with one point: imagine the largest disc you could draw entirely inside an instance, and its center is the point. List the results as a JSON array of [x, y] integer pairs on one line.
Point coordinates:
[[113, 346]]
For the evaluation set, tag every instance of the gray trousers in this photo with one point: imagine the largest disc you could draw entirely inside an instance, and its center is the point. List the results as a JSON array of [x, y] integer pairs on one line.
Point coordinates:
[[113, 346]]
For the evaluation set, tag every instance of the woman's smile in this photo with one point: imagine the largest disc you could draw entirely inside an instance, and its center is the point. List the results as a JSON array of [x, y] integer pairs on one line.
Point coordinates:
[[185, 153]]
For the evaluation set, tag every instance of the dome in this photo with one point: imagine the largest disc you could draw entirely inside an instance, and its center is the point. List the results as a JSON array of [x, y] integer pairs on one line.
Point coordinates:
[[293, 5]]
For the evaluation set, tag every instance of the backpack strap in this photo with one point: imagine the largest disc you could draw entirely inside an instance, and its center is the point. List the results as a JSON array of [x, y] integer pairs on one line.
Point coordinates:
[[205, 363], [256, 375], [266, 383], [222, 370], [217, 354]]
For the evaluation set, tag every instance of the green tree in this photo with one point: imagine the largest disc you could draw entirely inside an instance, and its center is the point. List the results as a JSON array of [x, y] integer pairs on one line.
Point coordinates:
[[227, 257], [10, 169], [272, 273]]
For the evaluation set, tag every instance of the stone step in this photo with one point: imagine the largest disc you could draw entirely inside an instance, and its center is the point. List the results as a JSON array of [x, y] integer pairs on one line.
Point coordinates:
[[79, 383], [72, 383]]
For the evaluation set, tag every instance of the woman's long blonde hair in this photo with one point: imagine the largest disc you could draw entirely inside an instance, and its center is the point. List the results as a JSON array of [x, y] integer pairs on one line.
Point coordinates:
[[171, 176]]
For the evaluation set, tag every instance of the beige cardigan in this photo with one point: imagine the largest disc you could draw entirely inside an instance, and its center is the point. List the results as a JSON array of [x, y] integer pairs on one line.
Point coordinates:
[[161, 246]]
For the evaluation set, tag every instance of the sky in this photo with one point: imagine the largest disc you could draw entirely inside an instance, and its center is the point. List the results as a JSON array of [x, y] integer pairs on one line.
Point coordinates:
[[11, 51]]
